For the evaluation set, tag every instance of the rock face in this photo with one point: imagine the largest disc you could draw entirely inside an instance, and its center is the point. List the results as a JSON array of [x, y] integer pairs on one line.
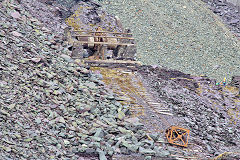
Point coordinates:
[[235, 81], [207, 109], [46, 13], [229, 13]]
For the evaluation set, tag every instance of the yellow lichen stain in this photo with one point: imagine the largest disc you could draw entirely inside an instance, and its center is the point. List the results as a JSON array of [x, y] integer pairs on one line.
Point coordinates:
[[221, 156], [122, 84], [231, 89], [74, 20], [199, 90], [234, 115], [72, 23]]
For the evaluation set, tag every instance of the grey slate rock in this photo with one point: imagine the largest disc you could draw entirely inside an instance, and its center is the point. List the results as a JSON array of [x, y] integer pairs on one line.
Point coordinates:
[[148, 158], [163, 153], [99, 133], [67, 58], [102, 155], [146, 151]]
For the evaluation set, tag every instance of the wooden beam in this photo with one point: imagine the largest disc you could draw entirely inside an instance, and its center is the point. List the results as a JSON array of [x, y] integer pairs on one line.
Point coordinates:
[[102, 36], [101, 32], [170, 114], [112, 62], [86, 42]]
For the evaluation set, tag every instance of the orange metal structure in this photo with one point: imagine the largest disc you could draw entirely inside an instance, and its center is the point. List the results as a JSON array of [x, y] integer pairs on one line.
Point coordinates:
[[178, 136]]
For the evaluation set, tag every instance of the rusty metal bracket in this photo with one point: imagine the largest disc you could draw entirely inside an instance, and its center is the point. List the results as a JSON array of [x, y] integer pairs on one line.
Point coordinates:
[[177, 135]]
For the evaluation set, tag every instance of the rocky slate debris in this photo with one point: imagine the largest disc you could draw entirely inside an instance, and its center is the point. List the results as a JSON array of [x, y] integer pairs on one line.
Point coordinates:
[[229, 13], [204, 106], [51, 16], [53, 107]]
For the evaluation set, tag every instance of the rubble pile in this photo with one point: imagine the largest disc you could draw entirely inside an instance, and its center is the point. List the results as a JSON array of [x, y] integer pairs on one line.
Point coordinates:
[[210, 112]]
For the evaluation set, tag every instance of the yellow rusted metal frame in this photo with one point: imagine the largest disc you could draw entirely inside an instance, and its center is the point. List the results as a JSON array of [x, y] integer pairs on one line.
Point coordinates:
[[173, 140]]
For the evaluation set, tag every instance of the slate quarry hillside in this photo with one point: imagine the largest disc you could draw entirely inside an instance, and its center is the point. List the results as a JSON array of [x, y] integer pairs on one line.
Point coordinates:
[[55, 107]]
